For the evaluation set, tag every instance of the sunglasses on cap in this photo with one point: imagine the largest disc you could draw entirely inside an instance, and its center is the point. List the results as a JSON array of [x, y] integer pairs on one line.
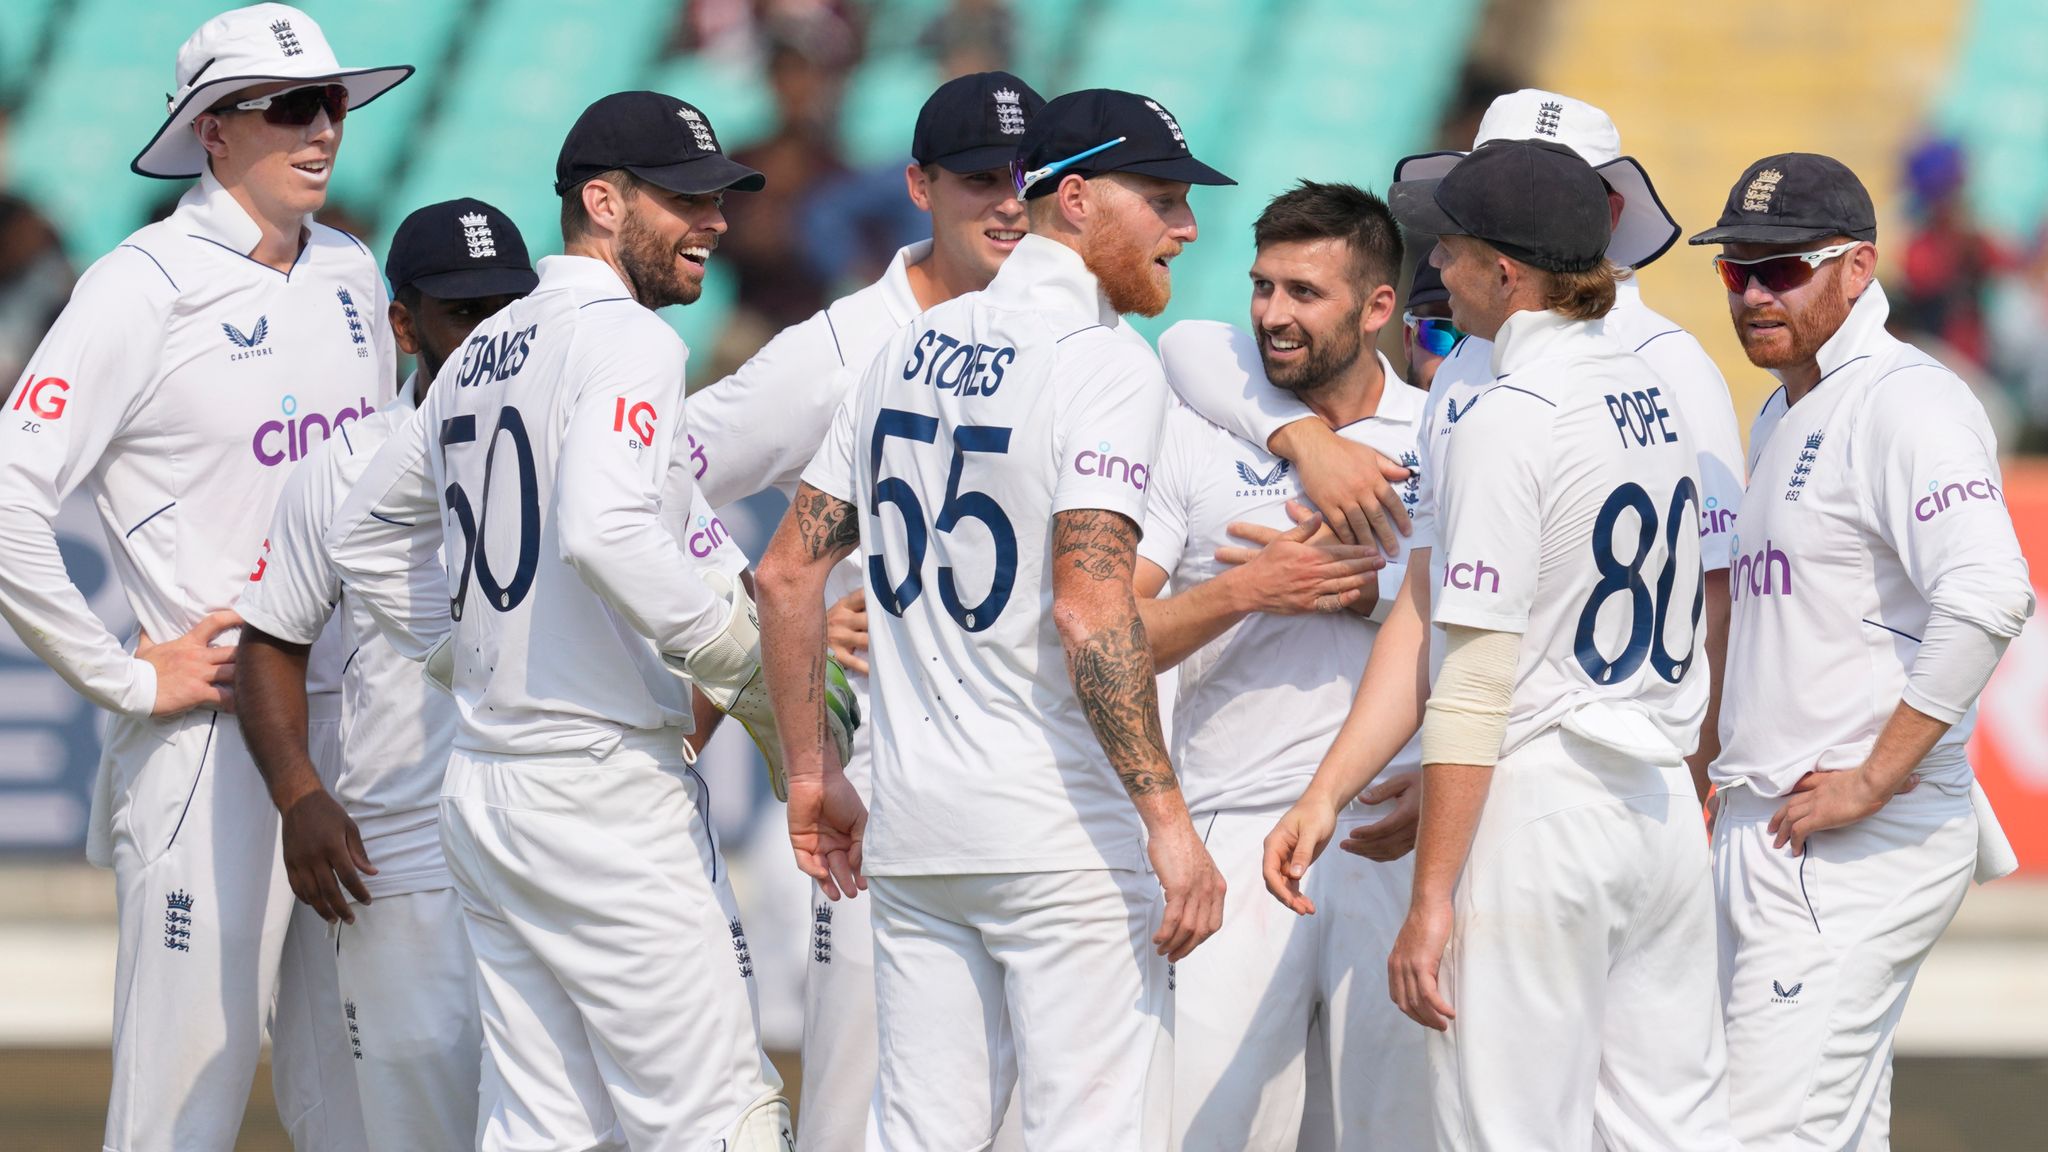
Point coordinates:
[[1025, 179], [1778, 273], [296, 107], [1435, 335]]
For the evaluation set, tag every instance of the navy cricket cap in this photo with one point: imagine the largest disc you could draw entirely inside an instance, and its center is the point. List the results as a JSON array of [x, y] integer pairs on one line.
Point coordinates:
[[1079, 121], [459, 250], [1793, 198], [656, 137], [1536, 201], [1427, 286], [972, 123]]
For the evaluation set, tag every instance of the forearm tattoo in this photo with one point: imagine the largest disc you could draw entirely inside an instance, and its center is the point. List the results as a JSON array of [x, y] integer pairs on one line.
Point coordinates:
[[1102, 544], [828, 526]]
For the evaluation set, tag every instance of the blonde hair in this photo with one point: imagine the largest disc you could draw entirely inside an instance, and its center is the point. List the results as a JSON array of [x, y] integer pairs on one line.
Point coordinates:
[[1584, 295]]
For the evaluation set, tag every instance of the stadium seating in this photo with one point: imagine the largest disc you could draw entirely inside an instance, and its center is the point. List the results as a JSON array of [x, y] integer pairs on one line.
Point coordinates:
[[23, 24], [1997, 105], [372, 32]]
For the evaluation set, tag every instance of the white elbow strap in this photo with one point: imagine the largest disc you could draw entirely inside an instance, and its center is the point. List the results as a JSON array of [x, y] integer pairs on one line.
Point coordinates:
[[727, 670], [1954, 663], [1467, 715]]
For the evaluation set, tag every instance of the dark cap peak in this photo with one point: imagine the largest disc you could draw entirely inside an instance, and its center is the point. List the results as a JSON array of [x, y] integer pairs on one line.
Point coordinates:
[[1794, 198], [662, 140], [1537, 201], [459, 250], [972, 123], [1152, 143]]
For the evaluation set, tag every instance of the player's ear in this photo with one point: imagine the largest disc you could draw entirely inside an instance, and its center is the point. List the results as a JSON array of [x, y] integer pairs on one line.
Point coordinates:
[[207, 128], [402, 330], [918, 184], [1859, 270], [604, 203], [1378, 311], [1074, 199]]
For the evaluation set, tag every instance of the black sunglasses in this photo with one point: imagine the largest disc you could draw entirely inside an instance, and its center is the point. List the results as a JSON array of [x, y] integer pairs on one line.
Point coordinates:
[[296, 107]]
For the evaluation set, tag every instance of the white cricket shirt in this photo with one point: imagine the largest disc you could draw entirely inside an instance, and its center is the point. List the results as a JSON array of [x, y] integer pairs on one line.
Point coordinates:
[[537, 465], [1569, 513], [1260, 704], [181, 385], [978, 423], [1873, 500], [760, 426]]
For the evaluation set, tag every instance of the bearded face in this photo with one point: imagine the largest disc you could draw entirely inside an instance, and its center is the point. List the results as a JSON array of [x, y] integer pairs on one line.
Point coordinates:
[[1786, 329], [1133, 238], [662, 257]]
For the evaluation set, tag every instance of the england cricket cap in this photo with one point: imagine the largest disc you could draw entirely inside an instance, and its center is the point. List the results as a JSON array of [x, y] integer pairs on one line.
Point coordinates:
[[972, 123], [1794, 198], [1644, 232], [1428, 285], [244, 48], [1151, 141], [656, 137], [1535, 200], [459, 250]]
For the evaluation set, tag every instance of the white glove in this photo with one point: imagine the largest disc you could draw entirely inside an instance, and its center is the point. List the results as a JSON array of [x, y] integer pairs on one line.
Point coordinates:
[[727, 669]]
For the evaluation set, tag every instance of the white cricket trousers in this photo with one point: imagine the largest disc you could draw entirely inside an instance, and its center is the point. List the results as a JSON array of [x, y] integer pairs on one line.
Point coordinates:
[[613, 975], [202, 963], [1581, 964], [408, 988], [1046, 981], [1818, 952], [1246, 1000]]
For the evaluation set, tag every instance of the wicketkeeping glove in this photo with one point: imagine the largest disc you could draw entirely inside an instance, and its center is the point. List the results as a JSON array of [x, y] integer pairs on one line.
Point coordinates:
[[727, 669]]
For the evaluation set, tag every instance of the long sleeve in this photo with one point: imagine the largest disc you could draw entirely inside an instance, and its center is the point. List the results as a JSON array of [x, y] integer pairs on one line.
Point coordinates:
[[756, 428], [82, 385], [1215, 369], [385, 540]]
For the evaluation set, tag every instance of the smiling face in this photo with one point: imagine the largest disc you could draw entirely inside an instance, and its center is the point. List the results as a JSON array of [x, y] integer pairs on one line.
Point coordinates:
[[283, 169], [1135, 227], [664, 239], [977, 219], [1306, 312], [1786, 329]]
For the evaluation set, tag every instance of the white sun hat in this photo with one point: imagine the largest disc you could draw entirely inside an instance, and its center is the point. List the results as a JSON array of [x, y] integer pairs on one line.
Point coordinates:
[[260, 44], [1645, 230]]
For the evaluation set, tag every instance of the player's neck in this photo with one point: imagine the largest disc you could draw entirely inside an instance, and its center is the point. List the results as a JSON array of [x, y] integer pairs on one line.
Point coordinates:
[[596, 248], [935, 280], [1354, 394], [1799, 380], [277, 241]]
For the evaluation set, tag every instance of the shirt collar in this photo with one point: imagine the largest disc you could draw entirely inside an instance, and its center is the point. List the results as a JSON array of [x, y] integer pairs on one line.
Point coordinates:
[[1627, 293], [1400, 401], [896, 293], [1042, 273], [407, 399], [559, 272], [1531, 336], [209, 211], [1857, 335]]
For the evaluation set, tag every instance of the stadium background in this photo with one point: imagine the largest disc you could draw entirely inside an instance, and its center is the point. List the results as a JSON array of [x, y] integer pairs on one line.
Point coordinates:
[[1943, 109]]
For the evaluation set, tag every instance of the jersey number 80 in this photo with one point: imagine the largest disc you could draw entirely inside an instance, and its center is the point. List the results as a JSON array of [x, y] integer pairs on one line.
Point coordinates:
[[1648, 612]]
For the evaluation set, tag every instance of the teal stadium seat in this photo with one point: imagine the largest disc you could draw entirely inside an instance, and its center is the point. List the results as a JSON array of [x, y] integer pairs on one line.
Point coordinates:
[[1997, 105], [23, 24], [366, 33], [879, 109], [734, 94]]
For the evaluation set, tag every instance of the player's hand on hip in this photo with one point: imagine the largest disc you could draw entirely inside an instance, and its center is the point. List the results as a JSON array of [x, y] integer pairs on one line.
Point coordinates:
[[1355, 487], [1289, 574], [846, 630], [1824, 800], [1293, 844], [324, 857], [1391, 836], [826, 823], [190, 671], [1412, 967], [1193, 887]]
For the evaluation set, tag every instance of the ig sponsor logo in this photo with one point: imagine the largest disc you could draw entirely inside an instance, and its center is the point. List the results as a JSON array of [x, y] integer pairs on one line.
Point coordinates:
[[42, 399], [1100, 461], [291, 438], [636, 418]]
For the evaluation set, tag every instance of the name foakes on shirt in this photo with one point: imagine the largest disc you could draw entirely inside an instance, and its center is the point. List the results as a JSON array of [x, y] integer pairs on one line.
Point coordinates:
[[962, 367], [490, 357]]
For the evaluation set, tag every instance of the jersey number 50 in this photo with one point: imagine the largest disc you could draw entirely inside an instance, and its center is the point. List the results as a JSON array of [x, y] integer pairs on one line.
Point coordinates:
[[1647, 614], [507, 596], [958, 506]]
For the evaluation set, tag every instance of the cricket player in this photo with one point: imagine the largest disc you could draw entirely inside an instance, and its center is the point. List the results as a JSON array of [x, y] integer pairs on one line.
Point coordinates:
[[1556, 936], [1876, 584], [1253, 727], [195, 366], [614, 978], [1010, 434], [368, 854], [1642, 232], [759, 427], [1427, 333]]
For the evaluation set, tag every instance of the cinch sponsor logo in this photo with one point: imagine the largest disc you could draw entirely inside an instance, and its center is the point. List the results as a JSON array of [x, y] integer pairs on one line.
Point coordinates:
[[697, 457], [1098, 461], [44, 397], [291, 438], [709, 535], [1940, 497], [1467, 575], [1715, 519], [1765, 572]]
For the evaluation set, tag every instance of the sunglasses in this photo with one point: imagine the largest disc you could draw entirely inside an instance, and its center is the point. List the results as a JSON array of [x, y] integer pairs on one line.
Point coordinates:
[[1778, 273], [296, 107], [1023, 180], [1435, 335]]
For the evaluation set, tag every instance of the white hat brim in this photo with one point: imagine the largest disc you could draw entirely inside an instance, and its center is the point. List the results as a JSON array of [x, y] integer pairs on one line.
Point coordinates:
[[174, 153], [1644, 232]]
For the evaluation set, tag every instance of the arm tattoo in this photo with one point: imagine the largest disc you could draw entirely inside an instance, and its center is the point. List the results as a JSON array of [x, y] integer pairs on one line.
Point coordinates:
[[1113, 676], [1101, 543], [827, 525]]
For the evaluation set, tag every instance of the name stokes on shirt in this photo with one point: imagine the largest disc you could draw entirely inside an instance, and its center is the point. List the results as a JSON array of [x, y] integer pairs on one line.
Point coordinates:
[[958, 366]]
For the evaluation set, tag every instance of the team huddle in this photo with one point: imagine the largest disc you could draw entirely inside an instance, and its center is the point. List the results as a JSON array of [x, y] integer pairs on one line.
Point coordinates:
[[399, 772]]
